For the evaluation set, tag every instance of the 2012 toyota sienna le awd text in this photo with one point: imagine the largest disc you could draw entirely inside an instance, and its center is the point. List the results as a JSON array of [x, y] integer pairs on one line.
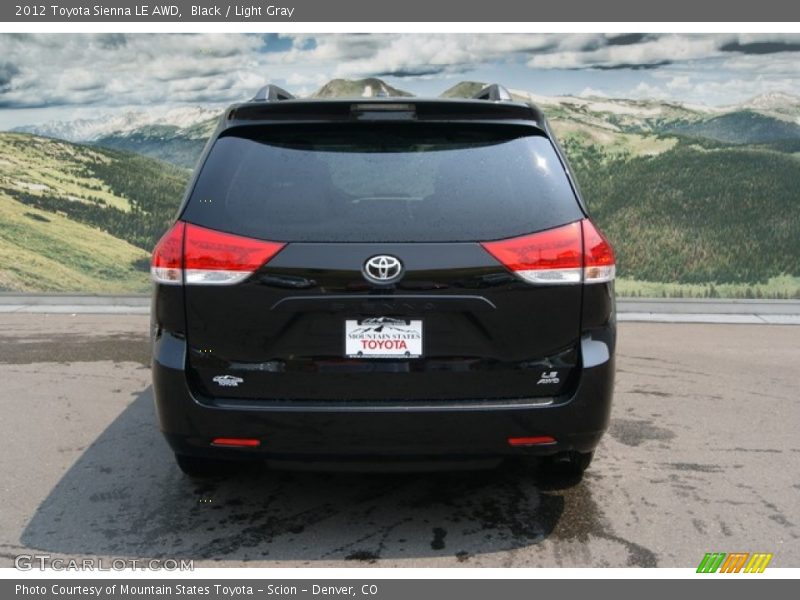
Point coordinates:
[[390, 280]]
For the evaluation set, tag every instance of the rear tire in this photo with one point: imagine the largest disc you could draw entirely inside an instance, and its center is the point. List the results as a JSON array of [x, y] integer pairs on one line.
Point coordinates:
[[201, 468]]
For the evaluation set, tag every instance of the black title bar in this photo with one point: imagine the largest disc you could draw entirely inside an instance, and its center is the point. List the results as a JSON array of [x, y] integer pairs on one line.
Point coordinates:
[[469, 11]]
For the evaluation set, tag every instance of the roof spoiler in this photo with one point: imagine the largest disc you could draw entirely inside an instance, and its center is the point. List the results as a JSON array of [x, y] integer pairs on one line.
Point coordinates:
[[272, 93], [494, 93]]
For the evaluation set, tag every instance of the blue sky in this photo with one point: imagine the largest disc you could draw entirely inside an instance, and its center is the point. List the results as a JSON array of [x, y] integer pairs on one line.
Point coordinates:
[[46, 77]]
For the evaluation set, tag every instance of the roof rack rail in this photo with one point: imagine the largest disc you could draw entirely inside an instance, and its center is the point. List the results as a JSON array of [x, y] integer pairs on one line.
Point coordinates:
[[494, 93], [272, 93]]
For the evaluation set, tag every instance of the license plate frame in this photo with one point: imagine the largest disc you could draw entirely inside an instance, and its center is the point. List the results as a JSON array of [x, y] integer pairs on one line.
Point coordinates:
[[383, 337]]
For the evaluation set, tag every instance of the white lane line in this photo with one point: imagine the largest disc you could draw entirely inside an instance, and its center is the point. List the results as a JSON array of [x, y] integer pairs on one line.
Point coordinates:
[[747, 319], [75, 309]]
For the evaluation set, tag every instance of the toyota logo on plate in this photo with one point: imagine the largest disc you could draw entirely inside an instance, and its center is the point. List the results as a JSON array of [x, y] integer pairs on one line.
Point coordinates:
[[383, 268]]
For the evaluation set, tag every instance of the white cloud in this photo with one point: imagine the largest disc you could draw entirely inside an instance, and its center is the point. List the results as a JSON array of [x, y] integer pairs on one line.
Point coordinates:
[[664, 49], [114, 70], [360, 54], [784, 63], [646, 91], [307, 79], [679, 83], [57, 69]]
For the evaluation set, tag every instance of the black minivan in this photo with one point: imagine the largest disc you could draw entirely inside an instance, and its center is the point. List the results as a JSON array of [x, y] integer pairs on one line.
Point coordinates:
[[391, 281]]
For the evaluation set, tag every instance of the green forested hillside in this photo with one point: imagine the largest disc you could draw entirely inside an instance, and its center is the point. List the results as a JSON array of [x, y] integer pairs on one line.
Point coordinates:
[[77, 218], [743, 127], [176, 145], [696, 213], [175, 149]]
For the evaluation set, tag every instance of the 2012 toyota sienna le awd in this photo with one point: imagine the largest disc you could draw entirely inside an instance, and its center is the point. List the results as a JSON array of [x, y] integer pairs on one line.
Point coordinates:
[[391, 280]]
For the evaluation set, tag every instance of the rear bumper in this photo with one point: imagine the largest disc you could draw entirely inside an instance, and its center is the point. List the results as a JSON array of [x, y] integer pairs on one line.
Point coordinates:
[[344, 432]]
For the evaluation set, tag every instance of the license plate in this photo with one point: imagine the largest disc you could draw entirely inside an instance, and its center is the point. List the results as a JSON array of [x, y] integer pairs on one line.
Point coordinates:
[[383, 337]]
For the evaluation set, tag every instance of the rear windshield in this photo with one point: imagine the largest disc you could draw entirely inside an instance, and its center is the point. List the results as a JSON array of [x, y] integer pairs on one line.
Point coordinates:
[[382, 183]]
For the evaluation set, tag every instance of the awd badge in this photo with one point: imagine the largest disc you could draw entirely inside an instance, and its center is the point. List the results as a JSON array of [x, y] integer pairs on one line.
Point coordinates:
[[548, 377]]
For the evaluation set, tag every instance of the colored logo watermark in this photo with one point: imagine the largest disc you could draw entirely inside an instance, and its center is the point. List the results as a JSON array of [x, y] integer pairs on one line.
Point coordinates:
[[735, 562]]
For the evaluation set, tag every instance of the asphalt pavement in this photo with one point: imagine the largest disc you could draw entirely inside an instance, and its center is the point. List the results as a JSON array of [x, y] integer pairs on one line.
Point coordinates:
[[703, 455]]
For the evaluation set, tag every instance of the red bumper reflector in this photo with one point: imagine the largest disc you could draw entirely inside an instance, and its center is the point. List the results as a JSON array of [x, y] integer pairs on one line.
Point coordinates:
[[539, 440], [238, 442]]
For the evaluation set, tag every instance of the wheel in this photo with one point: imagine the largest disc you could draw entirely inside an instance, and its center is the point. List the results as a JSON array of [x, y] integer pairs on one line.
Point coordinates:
[[198, 467], [567, 464]]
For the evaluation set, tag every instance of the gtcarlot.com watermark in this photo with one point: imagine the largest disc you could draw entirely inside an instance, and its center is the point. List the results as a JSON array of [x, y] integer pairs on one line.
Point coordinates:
[[43, 562]]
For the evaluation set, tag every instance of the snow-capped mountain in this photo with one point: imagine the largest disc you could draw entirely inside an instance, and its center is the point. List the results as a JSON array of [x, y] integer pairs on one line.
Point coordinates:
[[183, 120], [121, 124], [178, 134], [764, 119], [777, 101]]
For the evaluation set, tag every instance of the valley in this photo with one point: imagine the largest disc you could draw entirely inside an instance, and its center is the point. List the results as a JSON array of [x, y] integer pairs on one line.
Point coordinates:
[[698, 201]]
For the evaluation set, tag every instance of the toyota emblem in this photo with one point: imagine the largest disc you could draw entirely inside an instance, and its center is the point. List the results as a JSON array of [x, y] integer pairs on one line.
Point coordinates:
[[383, 268]]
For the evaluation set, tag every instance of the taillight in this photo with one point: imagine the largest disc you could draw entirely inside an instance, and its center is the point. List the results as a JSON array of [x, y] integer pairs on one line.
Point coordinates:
[[552, 256], [573, 253], [213, 257], [598, 255], [210, 257], [166, 265]]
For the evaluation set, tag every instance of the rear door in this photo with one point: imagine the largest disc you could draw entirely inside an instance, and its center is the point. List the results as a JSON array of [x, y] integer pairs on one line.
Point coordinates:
[[453, 323]]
